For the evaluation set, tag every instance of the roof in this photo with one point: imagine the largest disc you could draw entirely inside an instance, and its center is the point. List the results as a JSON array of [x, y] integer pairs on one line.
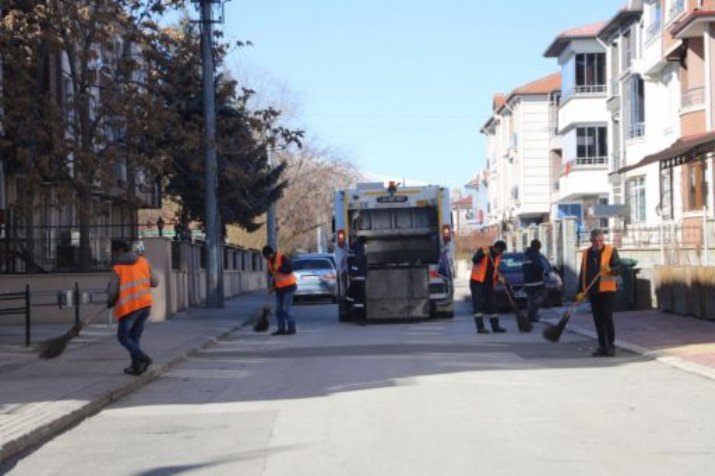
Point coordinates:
[[582, 32], [624, 16], [498, 101], [465, 202], [545, 85], [686, 147], [689, 19]]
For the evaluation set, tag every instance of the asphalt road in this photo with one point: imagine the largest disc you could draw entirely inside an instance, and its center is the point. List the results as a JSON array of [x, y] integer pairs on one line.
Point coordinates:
[[421, 398]]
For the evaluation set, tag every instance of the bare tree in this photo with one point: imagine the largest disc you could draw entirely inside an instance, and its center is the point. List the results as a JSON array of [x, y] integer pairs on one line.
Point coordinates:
[[313, 175]]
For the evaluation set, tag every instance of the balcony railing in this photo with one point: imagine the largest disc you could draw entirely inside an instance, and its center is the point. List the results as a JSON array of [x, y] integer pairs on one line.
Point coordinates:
[[589, 89], [591, 162], [693, 97], [676, 9], [636, 130]]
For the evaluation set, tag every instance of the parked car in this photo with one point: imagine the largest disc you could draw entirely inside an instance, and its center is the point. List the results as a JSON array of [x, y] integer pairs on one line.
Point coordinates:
[[316, 277], [512, 270]]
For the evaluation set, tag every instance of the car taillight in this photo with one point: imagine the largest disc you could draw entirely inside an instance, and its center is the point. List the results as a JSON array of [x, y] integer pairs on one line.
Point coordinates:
[[329, 277], [446, 233], [434, 274], [341, 238]]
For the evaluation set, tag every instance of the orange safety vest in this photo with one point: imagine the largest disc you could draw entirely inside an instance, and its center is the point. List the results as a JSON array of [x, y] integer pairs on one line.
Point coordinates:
[[280, 280], [607, 284], [479, 270], [134, 287]]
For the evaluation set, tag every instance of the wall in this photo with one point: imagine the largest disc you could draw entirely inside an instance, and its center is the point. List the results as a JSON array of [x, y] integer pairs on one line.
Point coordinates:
[[178, 288]]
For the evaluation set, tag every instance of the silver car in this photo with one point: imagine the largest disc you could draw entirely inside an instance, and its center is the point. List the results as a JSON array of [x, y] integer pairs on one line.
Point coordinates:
[[316, 278]]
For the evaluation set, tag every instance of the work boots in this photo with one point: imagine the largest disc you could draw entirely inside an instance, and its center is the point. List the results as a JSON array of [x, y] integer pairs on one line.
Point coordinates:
[[480, 325], [496, 328]]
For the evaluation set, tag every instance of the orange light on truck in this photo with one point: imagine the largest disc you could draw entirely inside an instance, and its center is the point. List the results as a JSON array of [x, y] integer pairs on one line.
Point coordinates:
[[341, 238]]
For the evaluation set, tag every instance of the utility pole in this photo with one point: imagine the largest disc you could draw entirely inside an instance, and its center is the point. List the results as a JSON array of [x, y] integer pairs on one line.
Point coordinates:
[[214, 291], [272, 235]]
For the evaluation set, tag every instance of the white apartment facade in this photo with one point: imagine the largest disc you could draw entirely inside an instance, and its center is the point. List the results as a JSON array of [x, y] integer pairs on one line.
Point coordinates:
[[519, 162], [583, 120]]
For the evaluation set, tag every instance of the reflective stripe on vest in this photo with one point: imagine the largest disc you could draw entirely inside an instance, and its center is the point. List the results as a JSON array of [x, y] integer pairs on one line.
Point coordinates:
[[479, 270], [134, 287], [280, 280], [607, 284]]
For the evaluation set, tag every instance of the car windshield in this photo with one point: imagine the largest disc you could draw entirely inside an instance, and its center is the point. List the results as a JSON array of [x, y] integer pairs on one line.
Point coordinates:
[[511, 262], [316, 264]]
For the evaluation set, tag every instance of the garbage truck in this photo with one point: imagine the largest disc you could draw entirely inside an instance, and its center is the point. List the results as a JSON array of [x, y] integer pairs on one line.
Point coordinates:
[[394, 252]]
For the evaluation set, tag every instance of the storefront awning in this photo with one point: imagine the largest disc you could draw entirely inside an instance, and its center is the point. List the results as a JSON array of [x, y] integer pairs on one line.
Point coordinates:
[[679, 152]]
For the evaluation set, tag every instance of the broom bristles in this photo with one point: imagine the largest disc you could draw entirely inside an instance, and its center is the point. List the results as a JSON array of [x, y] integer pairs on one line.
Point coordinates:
[[52, 348], [553, 333], [523, 322], [262, 323]]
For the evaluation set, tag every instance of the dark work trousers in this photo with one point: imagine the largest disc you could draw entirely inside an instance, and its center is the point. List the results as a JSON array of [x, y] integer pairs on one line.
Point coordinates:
[[602, 310], [535, 299], [483, 301], [129, 332]]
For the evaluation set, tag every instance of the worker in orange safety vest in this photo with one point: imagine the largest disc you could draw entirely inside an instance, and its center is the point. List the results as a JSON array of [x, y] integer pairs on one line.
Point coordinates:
[[129, 293], [284, 283], [600, 265], [485, 274]]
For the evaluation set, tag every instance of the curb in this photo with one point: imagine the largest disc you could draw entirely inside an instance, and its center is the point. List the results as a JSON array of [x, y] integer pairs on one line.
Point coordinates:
[[65, 422]]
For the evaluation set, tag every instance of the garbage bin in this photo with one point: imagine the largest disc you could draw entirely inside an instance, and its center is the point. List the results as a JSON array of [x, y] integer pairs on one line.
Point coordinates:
[[626, 296]]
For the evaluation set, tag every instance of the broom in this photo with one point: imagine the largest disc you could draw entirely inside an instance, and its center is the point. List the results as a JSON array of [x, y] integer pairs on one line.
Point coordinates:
[[553, 333], [54, 347], [522, 321], [262, 324]]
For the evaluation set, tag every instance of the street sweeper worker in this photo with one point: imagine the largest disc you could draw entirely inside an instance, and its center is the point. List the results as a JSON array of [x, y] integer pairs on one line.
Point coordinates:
[[485, 274], [129, 294], [600, 265], [535, 268], [284, 283]]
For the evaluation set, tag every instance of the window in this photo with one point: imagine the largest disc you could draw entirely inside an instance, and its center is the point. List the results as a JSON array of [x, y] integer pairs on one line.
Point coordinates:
[[697, 185], [636, 109], [654, 27], [629, 48], [590, 73], [666, 194], [591, 145], [564, 210], [636, 199]]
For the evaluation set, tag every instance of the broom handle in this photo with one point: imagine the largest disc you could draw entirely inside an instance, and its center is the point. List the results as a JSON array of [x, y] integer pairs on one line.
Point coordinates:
[[584, 294]]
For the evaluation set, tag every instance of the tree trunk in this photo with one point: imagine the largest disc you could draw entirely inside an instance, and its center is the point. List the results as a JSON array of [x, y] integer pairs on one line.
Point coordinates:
[[85, 216]]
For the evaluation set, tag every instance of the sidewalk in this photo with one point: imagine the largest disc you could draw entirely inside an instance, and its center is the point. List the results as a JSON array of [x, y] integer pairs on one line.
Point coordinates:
[[683, 342], [41, 398]]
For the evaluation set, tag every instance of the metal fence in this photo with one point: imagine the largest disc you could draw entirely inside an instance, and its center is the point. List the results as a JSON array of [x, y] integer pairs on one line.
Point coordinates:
[[38, 249]]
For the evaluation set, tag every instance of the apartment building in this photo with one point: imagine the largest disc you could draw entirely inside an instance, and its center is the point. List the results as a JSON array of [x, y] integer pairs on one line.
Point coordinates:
[[678, 57], [40, 230], [519, 137], [583, 120], [478, 190], [644, 99]]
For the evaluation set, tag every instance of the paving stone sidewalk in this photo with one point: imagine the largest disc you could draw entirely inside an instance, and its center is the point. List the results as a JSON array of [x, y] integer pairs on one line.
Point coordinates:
[[40, 398]]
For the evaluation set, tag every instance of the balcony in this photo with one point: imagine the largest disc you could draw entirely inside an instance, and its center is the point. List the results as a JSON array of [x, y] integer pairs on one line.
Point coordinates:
[[591, 162], [636, 130], [676, 9], [693, 97], [587, 90]]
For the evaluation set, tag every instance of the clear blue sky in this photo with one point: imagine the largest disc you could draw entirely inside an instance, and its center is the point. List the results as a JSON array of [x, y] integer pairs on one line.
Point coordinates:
[[403, 86]]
